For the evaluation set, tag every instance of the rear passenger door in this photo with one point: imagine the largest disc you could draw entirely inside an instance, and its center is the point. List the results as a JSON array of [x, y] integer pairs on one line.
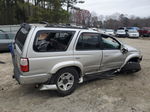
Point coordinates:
[[87, 51]]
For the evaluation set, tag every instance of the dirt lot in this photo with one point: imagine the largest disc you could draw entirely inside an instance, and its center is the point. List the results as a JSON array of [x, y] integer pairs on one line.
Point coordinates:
[[124, 93]]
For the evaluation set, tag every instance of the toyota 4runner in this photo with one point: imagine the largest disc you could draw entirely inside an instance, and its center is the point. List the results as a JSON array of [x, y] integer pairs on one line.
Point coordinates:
[[59, 58]]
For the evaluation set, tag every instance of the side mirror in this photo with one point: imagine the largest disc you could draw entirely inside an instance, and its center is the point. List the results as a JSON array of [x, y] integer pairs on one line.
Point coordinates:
[[124, 50]]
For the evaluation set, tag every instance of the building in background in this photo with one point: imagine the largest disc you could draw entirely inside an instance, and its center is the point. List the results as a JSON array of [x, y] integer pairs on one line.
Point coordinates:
[[80, 17]]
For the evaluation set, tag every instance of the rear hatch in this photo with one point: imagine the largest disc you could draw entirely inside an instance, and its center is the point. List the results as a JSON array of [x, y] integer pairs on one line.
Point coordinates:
[[18, 46]]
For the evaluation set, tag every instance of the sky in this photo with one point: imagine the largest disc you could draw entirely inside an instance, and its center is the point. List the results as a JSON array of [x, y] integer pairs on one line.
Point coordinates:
[[139, 8]]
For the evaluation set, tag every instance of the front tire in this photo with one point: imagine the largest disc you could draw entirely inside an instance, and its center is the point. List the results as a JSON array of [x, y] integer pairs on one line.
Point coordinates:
[[66, 81]]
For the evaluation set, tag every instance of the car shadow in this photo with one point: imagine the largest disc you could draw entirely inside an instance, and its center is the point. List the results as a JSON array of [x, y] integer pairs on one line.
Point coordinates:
[[107, 77], [32, 92], [6, 51]]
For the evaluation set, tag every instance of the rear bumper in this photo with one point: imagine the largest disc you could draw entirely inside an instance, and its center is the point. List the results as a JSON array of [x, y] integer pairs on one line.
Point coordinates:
[[31, 79]]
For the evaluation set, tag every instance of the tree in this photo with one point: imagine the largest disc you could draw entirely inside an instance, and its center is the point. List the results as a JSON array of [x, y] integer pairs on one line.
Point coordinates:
[[18, 11], [70, 3]]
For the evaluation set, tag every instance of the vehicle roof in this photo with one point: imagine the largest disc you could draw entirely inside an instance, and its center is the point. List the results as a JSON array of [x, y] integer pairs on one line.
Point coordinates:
[[69, 28]]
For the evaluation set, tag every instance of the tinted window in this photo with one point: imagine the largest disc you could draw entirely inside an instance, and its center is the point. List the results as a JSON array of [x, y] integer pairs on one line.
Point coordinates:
[[109, 43], [88, 41], [21, 37], [49, 41]]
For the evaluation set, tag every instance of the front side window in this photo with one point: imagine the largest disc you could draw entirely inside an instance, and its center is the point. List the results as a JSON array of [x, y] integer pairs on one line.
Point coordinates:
[[50, 41], [88, 41], [109, 43]]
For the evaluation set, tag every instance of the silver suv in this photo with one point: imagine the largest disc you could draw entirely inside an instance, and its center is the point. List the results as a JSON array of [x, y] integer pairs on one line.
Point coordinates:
[[59, 58]]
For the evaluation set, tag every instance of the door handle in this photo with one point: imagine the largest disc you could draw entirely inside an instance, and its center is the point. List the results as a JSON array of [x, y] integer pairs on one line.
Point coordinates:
[[77, 57], [106, 55]]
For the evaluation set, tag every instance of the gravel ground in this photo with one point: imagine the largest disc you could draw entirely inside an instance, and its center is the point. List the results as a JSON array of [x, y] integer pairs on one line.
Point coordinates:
[[123, 93]]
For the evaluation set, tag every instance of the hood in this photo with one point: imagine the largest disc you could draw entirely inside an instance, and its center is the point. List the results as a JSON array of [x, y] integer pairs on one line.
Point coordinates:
[[130, 48]]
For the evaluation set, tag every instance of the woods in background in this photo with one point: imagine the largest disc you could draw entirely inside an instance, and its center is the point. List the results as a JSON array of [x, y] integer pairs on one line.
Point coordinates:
[[52, 11], [121, 20], [114, 21], [18, 11]]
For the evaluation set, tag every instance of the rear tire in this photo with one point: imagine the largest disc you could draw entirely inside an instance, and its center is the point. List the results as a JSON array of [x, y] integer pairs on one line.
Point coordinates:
[[66, 81], [131, 67]]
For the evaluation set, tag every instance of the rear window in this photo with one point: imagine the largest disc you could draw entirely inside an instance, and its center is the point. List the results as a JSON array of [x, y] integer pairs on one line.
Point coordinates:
[[21, 37]]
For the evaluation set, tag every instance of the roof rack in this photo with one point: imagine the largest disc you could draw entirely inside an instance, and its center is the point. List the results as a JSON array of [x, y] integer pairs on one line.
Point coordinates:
[[62, 25], [72, 27]]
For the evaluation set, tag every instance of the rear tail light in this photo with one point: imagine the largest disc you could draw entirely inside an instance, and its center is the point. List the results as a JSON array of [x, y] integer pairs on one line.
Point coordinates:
[[24, 64]]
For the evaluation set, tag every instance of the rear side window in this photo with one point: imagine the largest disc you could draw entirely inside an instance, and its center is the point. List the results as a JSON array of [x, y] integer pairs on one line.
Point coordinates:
[[21, 37], [88, 41], [52, 41]]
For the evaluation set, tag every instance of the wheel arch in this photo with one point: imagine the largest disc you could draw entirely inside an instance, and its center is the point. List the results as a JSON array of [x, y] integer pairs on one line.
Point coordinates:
[[77, 66], [69, 64], [133, 58]]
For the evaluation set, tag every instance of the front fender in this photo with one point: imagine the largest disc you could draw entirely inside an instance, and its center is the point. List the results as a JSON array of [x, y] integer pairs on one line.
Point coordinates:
[[61, 65], [134, 55]]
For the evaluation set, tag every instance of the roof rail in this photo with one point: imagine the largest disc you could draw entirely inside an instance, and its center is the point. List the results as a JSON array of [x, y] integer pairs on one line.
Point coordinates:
[[66, 26], [28, 26]]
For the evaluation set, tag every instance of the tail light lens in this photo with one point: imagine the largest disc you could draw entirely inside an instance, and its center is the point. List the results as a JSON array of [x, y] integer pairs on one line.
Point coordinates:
[[24, 64]]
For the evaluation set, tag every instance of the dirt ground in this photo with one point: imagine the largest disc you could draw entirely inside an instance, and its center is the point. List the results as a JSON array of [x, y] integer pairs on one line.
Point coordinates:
[[123, 93]]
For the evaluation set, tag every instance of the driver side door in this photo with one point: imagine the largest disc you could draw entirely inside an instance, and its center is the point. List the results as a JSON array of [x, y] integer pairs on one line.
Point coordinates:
[[113, 57]]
